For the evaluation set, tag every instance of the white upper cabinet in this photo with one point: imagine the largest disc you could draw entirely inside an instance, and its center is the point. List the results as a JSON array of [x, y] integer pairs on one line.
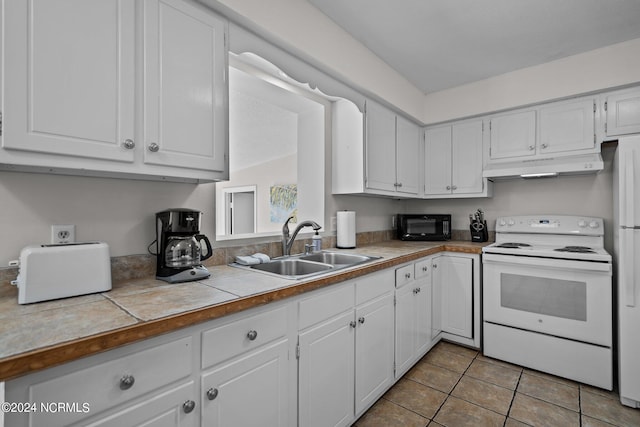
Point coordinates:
[[407, 156], [185, 90], [380, 148], [554, 129], [376, 152], [104, 90], [69, 78], [453, 159], [622, 112], [513, 135], [567, 126]]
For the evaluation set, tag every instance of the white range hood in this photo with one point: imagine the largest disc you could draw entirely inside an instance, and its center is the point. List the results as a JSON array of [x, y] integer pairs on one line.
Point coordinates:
[[539, 168]]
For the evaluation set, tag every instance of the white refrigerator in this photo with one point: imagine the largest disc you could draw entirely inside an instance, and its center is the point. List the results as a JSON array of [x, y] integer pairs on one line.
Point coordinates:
[[626, 214]]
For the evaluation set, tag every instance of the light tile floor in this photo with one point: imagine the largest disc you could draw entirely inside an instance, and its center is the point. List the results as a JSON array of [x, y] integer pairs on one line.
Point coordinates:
[[455, 386]]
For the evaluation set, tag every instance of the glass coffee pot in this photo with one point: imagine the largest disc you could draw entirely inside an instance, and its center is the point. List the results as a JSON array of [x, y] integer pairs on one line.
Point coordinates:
[[185, 251]]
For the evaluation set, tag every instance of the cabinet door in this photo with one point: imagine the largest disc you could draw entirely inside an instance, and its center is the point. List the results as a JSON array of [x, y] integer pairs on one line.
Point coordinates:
[[405, 328], [513, 135], [380, 148], [437, 161], [185, 119], [423, 314], [436, 299], [250, 391], [374, 350], [466, 147], [455, 275], [69, 69], [408, 157], [326, 373], [623, 112], [174, 408], [567, 126]]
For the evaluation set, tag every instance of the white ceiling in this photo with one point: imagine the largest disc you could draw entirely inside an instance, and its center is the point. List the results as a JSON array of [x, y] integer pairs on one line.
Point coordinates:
[[438, 44]]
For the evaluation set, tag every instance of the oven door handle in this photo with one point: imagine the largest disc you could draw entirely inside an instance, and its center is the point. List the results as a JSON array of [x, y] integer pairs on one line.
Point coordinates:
[[534, 262]]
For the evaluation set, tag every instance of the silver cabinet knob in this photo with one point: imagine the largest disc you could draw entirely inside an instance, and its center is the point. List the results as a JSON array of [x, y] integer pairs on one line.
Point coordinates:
[[435, 265], [352, 324], [418, 290], [129, 144], [212, 393], [415, 291], [252, 335], [531, 148], [545, 145], [126, 382], [361, 320], [425, 268], [455, 187], [188, 406], [407, 276], [448, 187], [153, 147], [399, 184]]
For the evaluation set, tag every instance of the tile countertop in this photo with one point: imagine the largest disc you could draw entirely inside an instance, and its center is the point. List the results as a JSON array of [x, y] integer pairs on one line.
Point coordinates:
[[41, 335]]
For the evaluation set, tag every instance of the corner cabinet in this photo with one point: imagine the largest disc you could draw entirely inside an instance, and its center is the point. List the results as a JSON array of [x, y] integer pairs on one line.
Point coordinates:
[[453, 160], [102, 90], [377, 152]]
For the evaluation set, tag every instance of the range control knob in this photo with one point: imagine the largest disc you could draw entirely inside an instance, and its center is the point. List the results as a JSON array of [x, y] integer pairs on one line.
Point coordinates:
[[582, 223], [594, 224], [502, 223], [511, 222]]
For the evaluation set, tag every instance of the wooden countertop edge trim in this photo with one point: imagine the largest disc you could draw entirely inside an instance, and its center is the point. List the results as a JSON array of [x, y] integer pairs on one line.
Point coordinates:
[[36, 360]]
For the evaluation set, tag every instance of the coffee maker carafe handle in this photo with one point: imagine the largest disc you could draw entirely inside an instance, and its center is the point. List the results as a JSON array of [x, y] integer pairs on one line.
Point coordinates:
[[200, 237]]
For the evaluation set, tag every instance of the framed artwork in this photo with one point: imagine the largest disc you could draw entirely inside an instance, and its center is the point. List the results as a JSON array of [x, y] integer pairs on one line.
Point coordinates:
[[283, 203]]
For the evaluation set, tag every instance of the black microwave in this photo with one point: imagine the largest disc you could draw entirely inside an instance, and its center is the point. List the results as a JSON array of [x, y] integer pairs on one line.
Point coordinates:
[[423, 227]]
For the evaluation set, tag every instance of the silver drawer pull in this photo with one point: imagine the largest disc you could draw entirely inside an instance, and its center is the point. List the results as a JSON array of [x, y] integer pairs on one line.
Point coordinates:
[[252, 335], [212, 393], [129, 144], [126, 382], [188, 406]]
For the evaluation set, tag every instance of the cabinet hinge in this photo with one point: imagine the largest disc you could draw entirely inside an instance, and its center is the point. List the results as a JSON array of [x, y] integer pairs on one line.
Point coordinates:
[[595, 141], [489, 125], [298, 351], [605, 105], [394, 369], [605, 127], [0, 123], [482, 126], [594, 107], [394, 303]]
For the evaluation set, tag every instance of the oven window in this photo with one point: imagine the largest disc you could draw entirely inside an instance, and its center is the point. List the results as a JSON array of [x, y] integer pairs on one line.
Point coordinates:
[[551, 297], [421, 226]]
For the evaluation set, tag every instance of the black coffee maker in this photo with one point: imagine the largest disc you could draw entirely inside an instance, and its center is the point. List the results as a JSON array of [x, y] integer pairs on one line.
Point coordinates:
[[179, 247]]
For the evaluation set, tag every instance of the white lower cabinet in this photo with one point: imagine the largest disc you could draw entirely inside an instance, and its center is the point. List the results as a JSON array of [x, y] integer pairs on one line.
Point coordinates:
[[331, 351], [412, 314], [456, 282], [249, 391], [345, 350]]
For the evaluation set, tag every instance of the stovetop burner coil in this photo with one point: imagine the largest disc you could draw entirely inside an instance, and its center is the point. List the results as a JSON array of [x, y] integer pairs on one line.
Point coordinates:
[[513, 245], [577, 249]]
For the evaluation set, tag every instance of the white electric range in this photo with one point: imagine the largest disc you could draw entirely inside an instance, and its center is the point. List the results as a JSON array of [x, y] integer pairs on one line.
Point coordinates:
[[547, 297]]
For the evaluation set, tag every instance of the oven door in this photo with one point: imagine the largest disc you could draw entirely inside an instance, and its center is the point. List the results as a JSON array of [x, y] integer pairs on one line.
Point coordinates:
[[565, 298]]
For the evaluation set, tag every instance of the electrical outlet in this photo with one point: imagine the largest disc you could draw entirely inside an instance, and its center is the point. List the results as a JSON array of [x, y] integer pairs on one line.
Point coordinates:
[[393, 222], [334, 223], [61, 234]]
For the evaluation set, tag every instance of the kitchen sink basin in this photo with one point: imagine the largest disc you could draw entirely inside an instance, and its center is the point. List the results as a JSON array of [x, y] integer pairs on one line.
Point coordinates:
[[336, 258], [292, 267], [306, 265]]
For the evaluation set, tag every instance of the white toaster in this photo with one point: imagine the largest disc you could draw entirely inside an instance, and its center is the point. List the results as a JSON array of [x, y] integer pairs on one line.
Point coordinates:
[[59, 271]]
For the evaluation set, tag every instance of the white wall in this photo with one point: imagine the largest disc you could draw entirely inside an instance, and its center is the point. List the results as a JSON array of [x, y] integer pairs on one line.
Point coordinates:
[[598, 69], [118, 211]]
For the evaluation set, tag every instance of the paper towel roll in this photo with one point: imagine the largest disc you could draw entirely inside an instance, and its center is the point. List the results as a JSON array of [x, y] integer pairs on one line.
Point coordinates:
[[346, 223]]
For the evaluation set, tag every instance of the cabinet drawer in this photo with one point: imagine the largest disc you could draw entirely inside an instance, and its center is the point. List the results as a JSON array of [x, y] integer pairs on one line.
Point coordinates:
[[373, 285], [104, 386], [404, 275], [232, 339], [423, 268], [326, 305]]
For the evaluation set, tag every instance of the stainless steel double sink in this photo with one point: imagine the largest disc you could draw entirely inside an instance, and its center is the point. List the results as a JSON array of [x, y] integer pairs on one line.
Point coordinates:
[[306, 265]]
